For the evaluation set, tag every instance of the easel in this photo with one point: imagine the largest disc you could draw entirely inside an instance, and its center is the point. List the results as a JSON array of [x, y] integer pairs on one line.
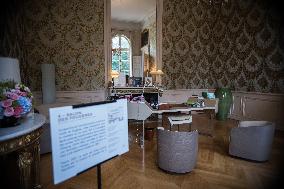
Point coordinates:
[[73, 123], [99, 173]]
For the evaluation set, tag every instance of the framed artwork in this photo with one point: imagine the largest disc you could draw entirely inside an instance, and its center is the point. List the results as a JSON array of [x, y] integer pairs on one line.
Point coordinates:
[[148, 81], [136, 81], [144, 37]]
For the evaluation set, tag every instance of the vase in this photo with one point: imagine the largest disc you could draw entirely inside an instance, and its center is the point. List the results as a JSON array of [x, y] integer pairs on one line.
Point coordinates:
[[9, 122], [225, 100]]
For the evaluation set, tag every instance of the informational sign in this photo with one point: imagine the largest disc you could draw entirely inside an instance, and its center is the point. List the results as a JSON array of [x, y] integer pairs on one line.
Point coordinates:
[[83, 137]]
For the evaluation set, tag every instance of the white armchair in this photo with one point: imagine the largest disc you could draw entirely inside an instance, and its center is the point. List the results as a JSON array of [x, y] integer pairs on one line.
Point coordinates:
[[252, 140]]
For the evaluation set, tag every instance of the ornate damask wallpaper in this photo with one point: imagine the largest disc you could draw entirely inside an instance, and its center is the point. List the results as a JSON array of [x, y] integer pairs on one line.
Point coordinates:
[[237, 44], [67, 33], [11, 32]]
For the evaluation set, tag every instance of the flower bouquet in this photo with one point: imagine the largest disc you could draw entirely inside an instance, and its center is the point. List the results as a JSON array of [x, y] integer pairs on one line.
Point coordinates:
[[15, 103]]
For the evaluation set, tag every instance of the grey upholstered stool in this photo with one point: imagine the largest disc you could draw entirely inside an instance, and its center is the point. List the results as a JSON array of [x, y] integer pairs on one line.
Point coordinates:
[[252, 140], [177, 151]]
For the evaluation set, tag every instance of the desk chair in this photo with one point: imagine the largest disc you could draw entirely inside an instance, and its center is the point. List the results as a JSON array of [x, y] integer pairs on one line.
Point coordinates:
[[178, 120]]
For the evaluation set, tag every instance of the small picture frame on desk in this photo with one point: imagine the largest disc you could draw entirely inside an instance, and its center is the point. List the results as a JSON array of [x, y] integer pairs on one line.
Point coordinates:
[[136, 81], [148, 81]]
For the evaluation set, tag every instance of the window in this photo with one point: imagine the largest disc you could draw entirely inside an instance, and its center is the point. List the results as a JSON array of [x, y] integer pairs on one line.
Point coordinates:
[[121, 57]]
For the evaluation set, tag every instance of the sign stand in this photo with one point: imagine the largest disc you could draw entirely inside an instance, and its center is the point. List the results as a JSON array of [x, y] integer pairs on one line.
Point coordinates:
[[99, 177], [72, 123], [99, 173]]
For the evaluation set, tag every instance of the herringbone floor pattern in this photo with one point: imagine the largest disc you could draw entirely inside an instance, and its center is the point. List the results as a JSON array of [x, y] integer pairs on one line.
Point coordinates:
[[215, 168]]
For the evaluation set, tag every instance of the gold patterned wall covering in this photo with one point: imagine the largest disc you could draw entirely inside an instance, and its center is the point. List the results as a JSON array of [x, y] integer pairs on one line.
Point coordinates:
[[237, 45], [12, 33], [69, 34]]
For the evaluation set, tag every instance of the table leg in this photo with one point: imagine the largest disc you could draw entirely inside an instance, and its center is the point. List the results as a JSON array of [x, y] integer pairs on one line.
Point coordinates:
[[36, 163], [25, 160], [29, 166]]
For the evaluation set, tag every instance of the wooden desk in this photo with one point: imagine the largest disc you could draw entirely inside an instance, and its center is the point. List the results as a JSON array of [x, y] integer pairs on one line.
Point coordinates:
[[175, 109], [24, 140], [135, 90]]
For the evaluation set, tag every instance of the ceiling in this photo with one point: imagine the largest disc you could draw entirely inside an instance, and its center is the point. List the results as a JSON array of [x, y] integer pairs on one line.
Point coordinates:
[[132, 10]]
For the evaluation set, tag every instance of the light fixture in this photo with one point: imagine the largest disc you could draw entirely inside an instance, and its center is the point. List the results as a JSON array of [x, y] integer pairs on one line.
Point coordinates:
[[211, 2], [158, 74], [9, 69], [114, 74]]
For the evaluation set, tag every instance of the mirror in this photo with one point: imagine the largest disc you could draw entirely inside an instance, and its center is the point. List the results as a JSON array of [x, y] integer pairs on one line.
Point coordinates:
[[133, 37]]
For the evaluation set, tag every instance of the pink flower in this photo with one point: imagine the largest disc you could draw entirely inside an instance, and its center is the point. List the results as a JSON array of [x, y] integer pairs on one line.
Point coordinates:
[[7, 103], [9, 111], [23, 94], [17, 91], [18, 110], [14, 96]]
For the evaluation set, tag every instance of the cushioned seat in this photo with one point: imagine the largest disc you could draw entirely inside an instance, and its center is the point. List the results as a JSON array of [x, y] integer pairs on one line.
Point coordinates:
[[177, 151], [252, 140]]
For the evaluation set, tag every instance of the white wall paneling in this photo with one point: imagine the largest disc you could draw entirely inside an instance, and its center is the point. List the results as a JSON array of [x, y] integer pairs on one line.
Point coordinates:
[[245, 106], [74, 97], [258, 106]]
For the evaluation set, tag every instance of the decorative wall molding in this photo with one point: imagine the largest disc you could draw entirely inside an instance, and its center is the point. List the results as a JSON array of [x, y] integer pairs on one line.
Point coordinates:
[[75, 97], [258, 106], [246, 105], [124, 25], [159, 34], [107, 40], [181, 95]]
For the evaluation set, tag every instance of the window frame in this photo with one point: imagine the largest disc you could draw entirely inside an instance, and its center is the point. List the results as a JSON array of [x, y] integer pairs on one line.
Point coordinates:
[[120, 50]]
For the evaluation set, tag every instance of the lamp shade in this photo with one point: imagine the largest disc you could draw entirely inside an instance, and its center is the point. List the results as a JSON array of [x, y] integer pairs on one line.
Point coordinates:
[[159, 72], [48, 83], [9, 69], [114, 74]]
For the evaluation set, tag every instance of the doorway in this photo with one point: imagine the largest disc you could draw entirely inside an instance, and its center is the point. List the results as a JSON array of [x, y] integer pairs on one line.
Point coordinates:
[[115, 24]]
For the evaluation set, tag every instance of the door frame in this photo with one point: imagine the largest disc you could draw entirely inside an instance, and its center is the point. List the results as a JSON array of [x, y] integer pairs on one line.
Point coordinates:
[[107, 37]]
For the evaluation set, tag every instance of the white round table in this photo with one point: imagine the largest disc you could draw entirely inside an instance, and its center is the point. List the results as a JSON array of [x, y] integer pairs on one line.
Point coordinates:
[[24, 140]]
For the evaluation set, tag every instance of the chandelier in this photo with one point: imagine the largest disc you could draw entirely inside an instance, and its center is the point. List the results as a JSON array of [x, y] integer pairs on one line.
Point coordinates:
[[211, 2]]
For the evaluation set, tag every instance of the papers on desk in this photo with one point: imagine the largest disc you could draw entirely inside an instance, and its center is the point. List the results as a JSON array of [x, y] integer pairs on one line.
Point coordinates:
[[180, 118]]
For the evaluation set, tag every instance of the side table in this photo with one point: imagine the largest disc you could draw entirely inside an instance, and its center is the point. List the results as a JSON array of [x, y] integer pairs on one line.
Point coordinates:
[[24, 140]]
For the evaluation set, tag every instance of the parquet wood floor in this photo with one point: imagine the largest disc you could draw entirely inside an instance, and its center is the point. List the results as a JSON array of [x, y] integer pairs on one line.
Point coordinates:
[[215, 168]]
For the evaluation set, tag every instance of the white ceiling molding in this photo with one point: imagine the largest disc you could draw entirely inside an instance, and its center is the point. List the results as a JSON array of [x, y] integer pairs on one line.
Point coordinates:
[[132, 10], [151, 18], [122, 25]]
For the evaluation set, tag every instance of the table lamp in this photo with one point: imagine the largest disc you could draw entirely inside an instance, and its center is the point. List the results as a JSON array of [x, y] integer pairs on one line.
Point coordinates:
[[158, 74], [9, 69], [114, 74]]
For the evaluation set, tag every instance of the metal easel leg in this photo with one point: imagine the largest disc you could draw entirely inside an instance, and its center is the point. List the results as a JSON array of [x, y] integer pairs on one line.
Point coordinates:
[[99, 178], [143, 133]]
